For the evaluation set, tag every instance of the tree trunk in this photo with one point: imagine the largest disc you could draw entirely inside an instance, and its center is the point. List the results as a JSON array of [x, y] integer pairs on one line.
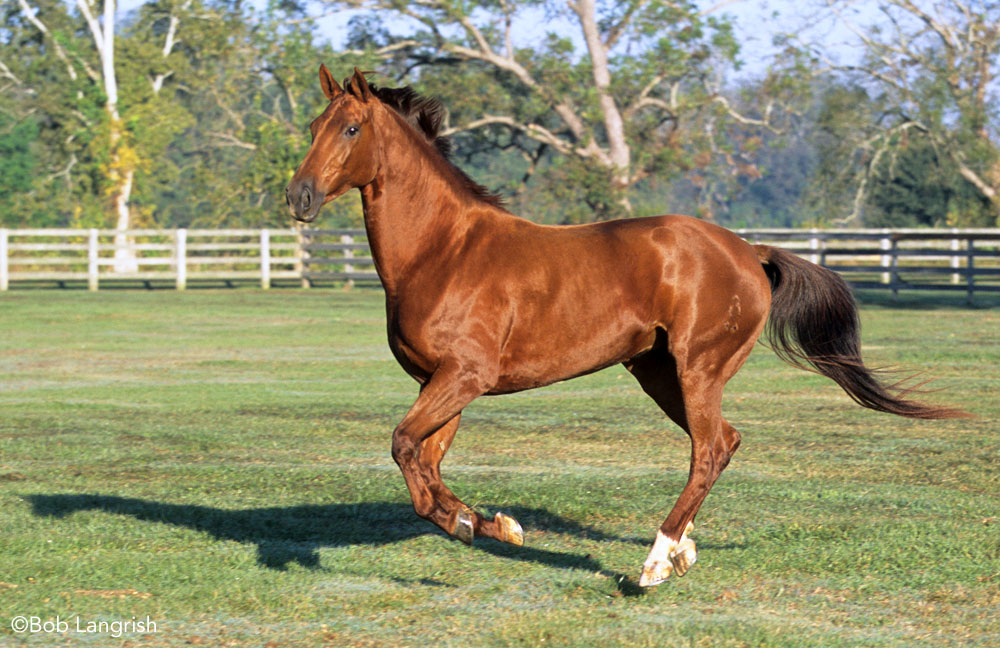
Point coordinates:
[[121, 176], [121, 170], [619, 153]]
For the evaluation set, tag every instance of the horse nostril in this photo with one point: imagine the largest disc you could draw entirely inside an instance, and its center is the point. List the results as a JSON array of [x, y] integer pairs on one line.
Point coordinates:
[[306, 198]]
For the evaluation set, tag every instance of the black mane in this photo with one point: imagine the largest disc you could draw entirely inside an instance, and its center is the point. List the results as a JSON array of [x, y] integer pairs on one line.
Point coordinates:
[[426, 115]]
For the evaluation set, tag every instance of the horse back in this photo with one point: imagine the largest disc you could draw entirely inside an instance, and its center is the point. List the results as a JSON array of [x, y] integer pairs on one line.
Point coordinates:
[[543, 303]]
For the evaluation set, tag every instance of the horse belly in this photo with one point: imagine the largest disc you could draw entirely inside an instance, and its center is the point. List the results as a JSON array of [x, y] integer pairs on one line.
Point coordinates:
[[541, 351]]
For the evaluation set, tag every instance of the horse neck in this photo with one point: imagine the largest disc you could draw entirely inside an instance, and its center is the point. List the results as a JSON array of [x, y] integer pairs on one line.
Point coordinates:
[[414, 207]]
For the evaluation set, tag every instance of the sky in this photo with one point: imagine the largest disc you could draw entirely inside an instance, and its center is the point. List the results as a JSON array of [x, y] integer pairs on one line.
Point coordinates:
[[757, 22]]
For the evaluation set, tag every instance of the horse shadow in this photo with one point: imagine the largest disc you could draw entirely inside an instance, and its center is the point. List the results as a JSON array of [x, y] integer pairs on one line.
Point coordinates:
[[295, 534]]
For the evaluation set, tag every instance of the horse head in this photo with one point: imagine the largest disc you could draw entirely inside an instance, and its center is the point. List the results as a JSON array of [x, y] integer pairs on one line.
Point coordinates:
[[343, 154]]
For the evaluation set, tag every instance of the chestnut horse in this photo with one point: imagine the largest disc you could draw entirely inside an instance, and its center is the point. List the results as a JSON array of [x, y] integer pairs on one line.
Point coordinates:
[[479, 301]]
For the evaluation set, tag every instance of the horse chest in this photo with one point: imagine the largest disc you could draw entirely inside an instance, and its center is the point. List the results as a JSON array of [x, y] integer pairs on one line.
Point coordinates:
[[409, 355]]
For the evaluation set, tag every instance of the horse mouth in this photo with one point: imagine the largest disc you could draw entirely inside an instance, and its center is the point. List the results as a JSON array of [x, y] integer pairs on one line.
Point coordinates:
[[304, 201]]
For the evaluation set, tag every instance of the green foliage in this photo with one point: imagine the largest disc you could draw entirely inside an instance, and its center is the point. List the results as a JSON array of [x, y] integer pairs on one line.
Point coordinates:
[[910, 189], [217, 126], [669, 47], [911, 181], [215, 143], [18, 166]]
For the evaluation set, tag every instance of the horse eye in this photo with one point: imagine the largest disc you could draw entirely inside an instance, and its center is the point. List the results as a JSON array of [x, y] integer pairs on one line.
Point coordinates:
[[351, 131]]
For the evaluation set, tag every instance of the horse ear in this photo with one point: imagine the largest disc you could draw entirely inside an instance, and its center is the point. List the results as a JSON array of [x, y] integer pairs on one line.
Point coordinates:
[[361, 85], [329, 85]]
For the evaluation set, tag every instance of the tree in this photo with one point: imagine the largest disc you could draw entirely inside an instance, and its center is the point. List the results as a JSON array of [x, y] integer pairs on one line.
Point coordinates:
[[640, 95], [210, 120], [121, 161], [932, 69], [86, 45], [249, 83]]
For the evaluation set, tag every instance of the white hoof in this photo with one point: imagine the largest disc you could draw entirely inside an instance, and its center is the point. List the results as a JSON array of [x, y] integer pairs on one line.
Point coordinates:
[[655, 573], [658, 567], [510, 530]]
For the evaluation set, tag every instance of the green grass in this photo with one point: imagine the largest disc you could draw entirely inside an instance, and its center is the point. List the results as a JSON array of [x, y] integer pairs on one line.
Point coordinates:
[[219, 461]]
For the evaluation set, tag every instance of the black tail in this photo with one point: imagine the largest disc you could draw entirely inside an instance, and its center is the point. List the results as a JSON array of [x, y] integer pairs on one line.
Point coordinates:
[[814, 325]]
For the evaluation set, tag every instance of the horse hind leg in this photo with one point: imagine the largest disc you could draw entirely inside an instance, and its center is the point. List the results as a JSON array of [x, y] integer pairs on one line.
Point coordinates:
[[673, 550], [695, 405]]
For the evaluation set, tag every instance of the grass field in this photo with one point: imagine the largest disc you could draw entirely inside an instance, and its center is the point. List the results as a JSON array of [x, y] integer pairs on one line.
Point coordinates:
[[218, 461]]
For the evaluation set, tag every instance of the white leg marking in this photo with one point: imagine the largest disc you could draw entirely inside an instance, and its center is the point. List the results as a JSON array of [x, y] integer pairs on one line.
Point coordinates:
[[668, 556], [658, 566]]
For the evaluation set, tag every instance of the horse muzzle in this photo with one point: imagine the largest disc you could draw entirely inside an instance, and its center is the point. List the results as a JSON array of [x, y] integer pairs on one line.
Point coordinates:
[[303, 200]]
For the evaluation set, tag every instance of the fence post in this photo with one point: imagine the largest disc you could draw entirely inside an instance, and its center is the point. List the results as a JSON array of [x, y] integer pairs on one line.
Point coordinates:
[[348, 254], [303, 255], [180, 257], [4, 260], [814, 245], [955, 261], [93, 256], [894, 274], [265, 259], [886, 244], [970, 265]]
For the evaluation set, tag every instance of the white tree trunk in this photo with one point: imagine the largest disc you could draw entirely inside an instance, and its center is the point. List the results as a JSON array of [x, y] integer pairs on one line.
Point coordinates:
[[125, 259], [121, 172], [614, 127]]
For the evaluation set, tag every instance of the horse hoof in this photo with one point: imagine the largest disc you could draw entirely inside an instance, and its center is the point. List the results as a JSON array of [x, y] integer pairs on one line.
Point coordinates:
[[464, 527], [655, 573], [684, 556], [510, 530]]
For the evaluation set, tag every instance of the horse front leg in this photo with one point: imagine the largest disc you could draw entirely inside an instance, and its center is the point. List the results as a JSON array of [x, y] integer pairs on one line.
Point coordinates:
[[420, 442]]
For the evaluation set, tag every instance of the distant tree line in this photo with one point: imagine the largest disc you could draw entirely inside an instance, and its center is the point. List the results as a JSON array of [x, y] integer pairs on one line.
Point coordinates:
[[195, 112]]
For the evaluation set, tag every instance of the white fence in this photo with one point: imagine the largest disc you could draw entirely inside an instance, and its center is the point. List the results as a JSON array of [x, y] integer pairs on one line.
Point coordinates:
[[68, 256], [957, 259]]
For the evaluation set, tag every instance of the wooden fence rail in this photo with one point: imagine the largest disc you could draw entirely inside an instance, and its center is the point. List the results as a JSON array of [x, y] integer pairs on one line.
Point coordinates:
[[68, 256], [898, 259], [957, 259]]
